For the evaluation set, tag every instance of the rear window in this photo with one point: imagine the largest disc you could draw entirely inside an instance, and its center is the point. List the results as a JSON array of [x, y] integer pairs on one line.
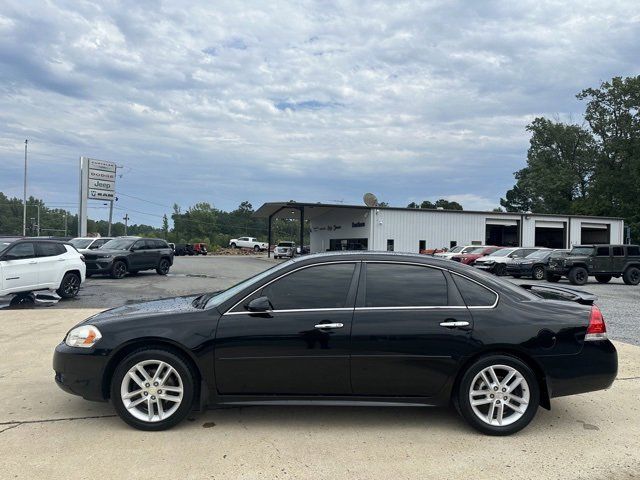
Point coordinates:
[[633, 250], [474, 295], [392, 285]]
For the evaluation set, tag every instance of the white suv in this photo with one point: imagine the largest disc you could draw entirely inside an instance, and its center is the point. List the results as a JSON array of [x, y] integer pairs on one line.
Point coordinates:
[[33, 264]]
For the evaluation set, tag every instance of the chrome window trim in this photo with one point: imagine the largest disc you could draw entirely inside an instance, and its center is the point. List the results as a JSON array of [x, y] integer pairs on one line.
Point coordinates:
[[295, 310], [229, 312]]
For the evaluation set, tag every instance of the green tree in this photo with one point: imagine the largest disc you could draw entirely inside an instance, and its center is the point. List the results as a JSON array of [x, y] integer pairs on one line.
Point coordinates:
[[560, 165]]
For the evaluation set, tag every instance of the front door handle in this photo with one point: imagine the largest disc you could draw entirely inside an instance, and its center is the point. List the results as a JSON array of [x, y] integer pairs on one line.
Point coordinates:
[[329, 325], [454, 324]]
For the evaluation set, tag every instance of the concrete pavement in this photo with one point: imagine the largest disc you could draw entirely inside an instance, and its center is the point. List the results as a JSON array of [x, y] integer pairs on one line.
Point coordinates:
[[46, 433]]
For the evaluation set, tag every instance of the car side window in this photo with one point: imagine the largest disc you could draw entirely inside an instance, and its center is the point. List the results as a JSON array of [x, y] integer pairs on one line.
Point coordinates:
[[474, 294], [21, 251], [47, 249], [150, 245], [396, 285], [618, 251], [602, 251], [140, 245], [321, 286], [633, 251]]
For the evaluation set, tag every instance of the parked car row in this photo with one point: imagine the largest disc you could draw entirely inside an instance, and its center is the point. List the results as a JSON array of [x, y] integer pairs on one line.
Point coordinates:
[[603, 262]]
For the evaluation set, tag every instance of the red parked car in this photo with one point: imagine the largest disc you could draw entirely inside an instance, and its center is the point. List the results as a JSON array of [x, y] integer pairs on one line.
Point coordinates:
[[470, 257]]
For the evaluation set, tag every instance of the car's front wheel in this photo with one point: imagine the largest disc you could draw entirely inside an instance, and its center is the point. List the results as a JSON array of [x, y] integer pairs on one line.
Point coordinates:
[[152, 389], [631, 276], [233, 245], [578, 275], [118, 269], [69, 286], [163, 267], [500, 269], [498, 395], [538, 272], [256, 248]]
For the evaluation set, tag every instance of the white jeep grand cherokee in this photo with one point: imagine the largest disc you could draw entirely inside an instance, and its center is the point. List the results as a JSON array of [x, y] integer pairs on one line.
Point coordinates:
[[32, 264]]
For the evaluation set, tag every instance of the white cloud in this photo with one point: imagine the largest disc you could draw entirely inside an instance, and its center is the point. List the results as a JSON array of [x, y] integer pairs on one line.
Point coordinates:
[[288, 100]]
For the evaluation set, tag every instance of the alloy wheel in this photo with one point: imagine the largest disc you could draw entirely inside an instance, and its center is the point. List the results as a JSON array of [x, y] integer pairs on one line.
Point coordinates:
[[164, 267], [120, 270], [152, 390], [538, 273], [71, 286], [499, 395]]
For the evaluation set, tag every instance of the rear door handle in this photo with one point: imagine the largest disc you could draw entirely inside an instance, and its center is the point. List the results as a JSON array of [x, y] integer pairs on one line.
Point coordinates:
[[329, 325], [454, 324]]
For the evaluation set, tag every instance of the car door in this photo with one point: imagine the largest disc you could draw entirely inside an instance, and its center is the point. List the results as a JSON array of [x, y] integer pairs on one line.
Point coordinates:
[[601, 262], [49, 257], [410, 328], [301, 346], [618, 259], [19, 268], [138, 258], [152, 253]]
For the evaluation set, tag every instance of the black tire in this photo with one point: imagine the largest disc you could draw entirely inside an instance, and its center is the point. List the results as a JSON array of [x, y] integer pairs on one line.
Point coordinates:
[[256, 248], [538, 272], [118, 269], [163, 267], [553, 278], [500, 269], [465, 385], [233, 245], [578, 275], [603, 278], [516, 275], [631, 276], [69, 286], [186, 375]]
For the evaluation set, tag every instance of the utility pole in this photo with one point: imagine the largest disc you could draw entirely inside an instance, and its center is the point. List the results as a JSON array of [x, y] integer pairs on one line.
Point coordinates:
[[38, 226], [65, 224], [126, 223], [24, 196]]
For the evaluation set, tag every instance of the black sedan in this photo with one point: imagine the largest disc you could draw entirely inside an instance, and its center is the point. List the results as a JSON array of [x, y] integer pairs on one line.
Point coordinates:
[[357, 328]]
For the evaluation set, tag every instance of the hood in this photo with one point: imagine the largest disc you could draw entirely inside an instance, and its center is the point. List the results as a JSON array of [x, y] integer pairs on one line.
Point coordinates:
[[144, 309], [103, 251]]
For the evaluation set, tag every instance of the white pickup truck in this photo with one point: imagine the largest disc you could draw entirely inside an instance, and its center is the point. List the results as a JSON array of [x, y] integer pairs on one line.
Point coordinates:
[[248, 242]]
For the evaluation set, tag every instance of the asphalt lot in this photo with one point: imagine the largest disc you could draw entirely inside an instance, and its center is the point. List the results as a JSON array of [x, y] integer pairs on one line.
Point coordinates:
[[46, 433], [620, 303]]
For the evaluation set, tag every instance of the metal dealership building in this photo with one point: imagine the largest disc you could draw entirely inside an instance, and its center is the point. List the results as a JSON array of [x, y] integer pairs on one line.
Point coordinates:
[[356, 227]]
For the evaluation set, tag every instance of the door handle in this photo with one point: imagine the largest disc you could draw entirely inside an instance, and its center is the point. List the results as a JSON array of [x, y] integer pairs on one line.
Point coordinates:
[[329, 325], [454, 324]]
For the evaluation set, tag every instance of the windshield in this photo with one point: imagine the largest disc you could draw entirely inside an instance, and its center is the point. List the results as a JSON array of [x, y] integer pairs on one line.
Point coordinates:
[[538, 254], [4, 245], [119, 244], [225, 295], [581, 251], [81, 242], [503, 252]]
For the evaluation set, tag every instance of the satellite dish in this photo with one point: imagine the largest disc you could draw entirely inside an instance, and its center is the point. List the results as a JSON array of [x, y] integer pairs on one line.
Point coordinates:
[[370, 200]]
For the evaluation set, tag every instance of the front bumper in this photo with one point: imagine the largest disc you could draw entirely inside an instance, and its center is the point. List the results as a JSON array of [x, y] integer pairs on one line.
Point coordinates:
[[594, 368], [79, 371], [524, 270], [557, 270], [99, 265]]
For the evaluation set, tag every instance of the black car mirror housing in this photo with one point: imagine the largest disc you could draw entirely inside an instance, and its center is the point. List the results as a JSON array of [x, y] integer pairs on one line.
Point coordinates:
[[260, 304]]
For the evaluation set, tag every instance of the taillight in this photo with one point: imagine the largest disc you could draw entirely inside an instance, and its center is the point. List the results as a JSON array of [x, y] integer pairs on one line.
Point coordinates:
[[596, 330]]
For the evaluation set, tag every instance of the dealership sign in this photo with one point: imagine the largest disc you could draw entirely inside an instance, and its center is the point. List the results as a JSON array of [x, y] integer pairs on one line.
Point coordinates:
[[101, 180]]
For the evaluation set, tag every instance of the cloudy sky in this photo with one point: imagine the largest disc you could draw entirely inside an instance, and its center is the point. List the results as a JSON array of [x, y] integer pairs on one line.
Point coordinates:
[[312, 101]]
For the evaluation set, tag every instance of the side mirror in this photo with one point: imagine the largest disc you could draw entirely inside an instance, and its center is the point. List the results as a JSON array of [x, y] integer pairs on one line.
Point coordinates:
[[260, 304]]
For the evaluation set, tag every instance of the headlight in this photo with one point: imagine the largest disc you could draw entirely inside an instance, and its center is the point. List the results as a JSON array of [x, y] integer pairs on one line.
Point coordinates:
[[528, 262], [84, 336]]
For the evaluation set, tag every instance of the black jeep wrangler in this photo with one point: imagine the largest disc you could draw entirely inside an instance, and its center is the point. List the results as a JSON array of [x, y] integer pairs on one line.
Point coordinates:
[[600, 261]]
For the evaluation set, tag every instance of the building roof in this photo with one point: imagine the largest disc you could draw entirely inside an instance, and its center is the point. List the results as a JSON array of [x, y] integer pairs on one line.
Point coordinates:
[[291, 210]]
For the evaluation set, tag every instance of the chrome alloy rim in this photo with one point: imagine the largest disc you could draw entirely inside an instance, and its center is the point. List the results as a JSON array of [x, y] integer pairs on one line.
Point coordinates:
[[72, 285], [499, 395], [152, 390]]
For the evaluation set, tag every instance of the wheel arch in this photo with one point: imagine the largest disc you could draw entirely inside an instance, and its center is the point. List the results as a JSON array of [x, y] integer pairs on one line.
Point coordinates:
[[545, 398], [151, 342], [74, 271]]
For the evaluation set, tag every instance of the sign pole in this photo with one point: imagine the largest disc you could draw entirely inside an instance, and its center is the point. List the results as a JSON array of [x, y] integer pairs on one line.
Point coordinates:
[[24, 193], [110, 218], [82, 210]]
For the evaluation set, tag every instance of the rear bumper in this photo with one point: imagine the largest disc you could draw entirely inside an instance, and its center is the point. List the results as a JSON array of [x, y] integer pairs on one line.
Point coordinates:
[[594, 368], [79, 371]]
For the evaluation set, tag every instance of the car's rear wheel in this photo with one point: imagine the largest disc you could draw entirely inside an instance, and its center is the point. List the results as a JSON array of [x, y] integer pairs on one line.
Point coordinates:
[[163, 267], [118, 269], [152, 389], [631, 276], [538, 272], [603, 278], [498, 395], [578, 275], [500, 269], [69, 286]]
